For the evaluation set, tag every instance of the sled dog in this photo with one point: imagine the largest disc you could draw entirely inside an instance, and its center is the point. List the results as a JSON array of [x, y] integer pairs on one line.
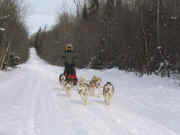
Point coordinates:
[[108, 92], [82, 80], [62, 79], [83, 91], [94, 84], [68, 85]]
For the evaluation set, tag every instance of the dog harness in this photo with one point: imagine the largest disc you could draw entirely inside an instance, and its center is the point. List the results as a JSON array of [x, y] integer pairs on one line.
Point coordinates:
[[73, 76]]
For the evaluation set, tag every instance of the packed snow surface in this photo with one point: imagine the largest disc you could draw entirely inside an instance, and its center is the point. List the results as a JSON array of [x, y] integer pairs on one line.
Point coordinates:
[[32, 103]]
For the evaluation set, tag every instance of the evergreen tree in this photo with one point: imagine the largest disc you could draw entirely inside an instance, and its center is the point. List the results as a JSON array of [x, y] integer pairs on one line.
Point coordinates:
[[85, 12]]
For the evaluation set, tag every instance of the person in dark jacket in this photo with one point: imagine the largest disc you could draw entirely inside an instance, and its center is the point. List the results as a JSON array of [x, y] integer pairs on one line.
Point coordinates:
[[69, 64]]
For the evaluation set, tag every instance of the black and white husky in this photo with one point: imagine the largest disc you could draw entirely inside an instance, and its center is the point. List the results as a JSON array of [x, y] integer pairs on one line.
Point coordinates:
[[108, 92], [68, 86], [62, 79]]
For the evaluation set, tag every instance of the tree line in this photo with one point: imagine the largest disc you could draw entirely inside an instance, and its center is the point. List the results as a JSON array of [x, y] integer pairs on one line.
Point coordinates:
[[135, 35], [13, 33]]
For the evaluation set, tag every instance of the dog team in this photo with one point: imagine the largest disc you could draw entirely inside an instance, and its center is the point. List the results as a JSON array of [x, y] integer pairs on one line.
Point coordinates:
[[87, 88]]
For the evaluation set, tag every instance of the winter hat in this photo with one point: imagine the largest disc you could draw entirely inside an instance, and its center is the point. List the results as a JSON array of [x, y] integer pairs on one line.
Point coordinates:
[[69, 47]]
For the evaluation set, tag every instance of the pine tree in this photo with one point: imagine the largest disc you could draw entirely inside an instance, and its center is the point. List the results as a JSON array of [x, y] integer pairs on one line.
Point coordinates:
[[37, 41], [85, 12]]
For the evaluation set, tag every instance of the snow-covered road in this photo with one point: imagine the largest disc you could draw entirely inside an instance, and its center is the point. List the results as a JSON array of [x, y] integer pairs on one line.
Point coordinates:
[[32, 103]]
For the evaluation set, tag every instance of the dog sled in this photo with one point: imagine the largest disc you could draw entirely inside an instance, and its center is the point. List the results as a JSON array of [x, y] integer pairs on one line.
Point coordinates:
[[69, 77]]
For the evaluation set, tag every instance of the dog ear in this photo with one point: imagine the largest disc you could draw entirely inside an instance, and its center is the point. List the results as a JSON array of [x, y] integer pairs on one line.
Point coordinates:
[[109, 83]]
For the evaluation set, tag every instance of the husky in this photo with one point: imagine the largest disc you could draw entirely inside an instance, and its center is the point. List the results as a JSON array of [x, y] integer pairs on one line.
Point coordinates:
[[82, 80], [68, 85], [83, 91], [108, 92], [95, 83], [62, 79]]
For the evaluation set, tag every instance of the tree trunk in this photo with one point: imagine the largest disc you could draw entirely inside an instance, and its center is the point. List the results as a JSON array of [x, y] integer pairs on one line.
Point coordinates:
[[157, 23], [175, 8], [5, 58]]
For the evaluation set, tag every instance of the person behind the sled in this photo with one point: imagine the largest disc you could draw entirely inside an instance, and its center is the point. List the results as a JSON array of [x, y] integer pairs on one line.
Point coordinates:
[[69, 64]]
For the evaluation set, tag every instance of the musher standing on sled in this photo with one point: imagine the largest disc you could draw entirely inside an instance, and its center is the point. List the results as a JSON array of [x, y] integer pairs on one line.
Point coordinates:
[[69, 64]]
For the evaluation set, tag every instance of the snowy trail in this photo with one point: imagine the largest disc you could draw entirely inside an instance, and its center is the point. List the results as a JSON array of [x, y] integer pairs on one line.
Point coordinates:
[[32, 103]]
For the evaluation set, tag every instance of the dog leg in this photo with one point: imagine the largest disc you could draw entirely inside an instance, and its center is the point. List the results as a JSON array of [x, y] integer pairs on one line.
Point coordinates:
[[68, 93], [107, 99], [92, 92], [84, 99], [62, 88], [100, 93]]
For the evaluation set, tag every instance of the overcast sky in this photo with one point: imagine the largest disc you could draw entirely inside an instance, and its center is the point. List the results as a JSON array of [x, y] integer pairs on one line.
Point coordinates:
[[43, 13]]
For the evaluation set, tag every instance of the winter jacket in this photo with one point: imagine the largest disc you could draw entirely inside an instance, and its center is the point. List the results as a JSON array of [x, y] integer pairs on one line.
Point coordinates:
[[69, 58]]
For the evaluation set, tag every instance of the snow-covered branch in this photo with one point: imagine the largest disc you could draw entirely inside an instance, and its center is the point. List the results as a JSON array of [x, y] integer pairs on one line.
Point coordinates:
[[2, 29]]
